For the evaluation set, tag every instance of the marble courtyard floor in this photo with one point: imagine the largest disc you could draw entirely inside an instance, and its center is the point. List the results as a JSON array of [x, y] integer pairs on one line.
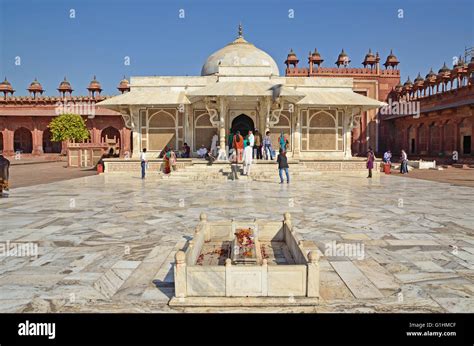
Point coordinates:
[[106, 243]]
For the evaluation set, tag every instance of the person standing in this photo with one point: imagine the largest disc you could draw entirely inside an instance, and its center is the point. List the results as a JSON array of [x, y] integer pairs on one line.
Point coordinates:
[[387, 156], [267, 145], [234, 165], [230, 140], [247, 158], [258, 145], [238, 145], [283, 141], [251, 138], [370, 161], [215, 138], [282, 161], [404, 164], [4, 173], [143, 162]]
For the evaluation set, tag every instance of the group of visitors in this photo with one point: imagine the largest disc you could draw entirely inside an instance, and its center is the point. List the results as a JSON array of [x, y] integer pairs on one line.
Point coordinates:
[[241, 150], [387, 159], [254, 146], [260, 147], [169, 160]]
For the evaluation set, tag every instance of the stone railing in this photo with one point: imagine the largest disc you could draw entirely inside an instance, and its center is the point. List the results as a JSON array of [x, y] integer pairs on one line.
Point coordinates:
[[200, 282]]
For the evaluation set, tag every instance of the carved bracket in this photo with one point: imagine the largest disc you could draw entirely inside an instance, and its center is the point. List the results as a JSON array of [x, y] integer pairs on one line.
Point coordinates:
[[274, 116], [127, 118], [355, 118], [213, 113]]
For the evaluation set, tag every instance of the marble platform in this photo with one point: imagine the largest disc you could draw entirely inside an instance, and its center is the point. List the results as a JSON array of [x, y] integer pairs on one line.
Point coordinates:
[[106, 243]]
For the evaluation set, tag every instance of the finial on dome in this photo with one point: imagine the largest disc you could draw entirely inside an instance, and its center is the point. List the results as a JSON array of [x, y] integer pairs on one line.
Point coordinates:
[[240, 30]]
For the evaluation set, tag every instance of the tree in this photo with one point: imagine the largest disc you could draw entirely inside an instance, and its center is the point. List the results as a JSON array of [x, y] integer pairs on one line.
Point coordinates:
[[68, 127]]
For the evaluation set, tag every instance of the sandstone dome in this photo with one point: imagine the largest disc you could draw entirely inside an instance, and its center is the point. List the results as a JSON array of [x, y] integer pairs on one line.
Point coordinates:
[[241, 54]]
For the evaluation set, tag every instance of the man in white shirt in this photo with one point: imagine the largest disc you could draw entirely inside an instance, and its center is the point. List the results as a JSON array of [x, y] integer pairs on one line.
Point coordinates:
[[143, 162], [202, 151], [251, 139]]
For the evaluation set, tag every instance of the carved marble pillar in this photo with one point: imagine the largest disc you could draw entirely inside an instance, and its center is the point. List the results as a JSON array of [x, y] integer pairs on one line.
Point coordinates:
[[297, 132], [135, 117], [263, 109], [223, 103], [188, 128]]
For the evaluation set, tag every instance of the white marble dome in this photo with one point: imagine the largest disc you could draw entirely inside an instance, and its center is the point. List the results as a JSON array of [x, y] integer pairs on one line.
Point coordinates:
[[243, 54]]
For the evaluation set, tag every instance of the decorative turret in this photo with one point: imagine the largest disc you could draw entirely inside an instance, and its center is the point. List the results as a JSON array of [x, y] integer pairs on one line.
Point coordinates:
[[94, 87], [419, 81], [124, 85], [369, 59], [35, 87], [444, 70], [430, 81], [291, 59], [315, 57], [343, 59], [431, 77], [459, 71], [6, 88], [407, 87], [460, 67], [64, 88], [391, 61]]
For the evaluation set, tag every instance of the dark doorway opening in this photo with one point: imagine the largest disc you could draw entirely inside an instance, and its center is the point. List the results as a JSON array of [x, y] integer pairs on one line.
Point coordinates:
[[49, 146], [412, 149], [23, 140], [466, 145], [242, 123]]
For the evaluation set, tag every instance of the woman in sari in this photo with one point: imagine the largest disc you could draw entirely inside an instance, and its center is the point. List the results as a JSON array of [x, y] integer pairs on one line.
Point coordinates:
[[167, 160]]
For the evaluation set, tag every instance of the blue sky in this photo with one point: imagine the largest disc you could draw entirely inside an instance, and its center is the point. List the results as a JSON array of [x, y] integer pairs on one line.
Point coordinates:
[[52, 45]]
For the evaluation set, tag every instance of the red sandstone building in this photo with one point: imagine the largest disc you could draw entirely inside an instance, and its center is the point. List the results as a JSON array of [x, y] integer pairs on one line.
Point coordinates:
[[24, 119], [446, 119]]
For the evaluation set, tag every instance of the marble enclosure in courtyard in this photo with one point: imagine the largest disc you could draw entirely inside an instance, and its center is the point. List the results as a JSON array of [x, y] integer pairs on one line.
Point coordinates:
[[269, 260]]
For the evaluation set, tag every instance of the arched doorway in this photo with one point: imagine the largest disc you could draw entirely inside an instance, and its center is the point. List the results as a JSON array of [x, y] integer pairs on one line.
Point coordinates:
[[111, 134], [242, 123], [50, 147], [23, 140], [111, 137]]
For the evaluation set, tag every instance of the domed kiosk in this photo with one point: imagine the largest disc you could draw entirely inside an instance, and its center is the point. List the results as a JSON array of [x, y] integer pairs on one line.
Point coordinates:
[[240, 89]]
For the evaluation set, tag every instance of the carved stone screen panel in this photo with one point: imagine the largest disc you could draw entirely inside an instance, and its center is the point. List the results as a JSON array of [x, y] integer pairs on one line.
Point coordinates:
[[322, 130]]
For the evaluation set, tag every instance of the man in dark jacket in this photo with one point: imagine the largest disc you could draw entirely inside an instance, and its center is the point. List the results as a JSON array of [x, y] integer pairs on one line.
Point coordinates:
[[282, 161]]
